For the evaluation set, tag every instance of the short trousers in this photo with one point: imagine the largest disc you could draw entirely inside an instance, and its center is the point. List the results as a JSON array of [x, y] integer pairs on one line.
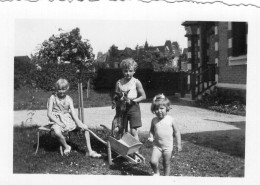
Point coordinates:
[[133, 115], [163, 150]]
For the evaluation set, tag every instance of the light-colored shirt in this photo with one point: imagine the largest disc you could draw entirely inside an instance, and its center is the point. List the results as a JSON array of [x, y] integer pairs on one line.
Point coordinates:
[[129, 86]]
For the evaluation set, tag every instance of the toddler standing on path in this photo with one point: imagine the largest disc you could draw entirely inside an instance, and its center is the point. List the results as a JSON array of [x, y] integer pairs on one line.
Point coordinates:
[[62, 113], [163, 127]]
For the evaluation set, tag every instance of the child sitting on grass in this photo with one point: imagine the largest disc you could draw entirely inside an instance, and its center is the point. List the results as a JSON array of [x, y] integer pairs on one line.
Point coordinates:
[[62, 113], [163, 127]]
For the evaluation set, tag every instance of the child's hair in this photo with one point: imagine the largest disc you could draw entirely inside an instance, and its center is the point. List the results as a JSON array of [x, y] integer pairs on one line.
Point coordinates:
[[158, 100], [127, 63], [62, 84]]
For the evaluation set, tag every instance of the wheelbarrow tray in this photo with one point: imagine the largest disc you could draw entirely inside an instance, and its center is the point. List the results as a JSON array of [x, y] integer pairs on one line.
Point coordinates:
[[126, 145]]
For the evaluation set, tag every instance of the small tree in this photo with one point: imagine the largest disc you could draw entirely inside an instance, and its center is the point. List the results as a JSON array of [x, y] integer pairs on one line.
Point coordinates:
[[68, 47], [65, 47]]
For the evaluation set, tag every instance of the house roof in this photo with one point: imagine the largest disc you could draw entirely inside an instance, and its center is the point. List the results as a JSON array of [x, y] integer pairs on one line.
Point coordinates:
[[175, 43], [185, 50], [169, 45], [126, 51], [102, 57], [160, 48], [186, 23], [22, 58]]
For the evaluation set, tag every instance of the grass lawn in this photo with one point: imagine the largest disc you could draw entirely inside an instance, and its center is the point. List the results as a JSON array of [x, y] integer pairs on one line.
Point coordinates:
[[36, 100], [213, 154], [29, 99], [203, 155]]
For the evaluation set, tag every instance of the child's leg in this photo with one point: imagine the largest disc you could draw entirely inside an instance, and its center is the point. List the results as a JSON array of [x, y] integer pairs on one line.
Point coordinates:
[[61, 138], [134, 132], [167, 162], [90, 152], [134, 117], [156, 154]]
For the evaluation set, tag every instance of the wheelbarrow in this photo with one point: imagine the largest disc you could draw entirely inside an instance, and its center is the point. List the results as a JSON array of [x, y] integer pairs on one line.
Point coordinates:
[[126, 147]]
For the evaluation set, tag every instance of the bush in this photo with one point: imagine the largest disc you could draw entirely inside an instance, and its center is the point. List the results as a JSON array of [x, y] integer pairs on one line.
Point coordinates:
[[23, 73], [26, 74], [224, 100]]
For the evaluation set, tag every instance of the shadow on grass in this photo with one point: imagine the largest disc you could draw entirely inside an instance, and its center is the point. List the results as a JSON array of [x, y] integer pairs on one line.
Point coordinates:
[[240, 125], [120, 164], [49, 143], [231, 142], [194, 160], [127, 168]]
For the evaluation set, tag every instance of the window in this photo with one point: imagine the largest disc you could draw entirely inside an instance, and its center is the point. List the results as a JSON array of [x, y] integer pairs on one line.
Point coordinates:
[[239, 44], [239, 35]]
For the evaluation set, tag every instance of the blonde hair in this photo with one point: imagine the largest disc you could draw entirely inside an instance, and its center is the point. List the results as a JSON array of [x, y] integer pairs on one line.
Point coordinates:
[[158, 100], [62, 84], [127, 63]]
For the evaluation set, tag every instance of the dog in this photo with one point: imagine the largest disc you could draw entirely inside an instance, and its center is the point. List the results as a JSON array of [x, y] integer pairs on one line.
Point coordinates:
[[119, 103]]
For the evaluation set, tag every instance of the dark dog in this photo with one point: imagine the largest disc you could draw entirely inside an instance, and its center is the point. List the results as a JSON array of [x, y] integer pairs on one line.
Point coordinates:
[[119, 103]]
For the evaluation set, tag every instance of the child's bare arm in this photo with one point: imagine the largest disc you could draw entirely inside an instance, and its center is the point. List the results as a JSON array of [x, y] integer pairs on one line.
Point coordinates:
[[151, 133], [177, 135], [140, 91], [51, 116]]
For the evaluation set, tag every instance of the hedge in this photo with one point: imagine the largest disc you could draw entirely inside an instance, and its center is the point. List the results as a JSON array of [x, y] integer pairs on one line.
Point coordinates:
[[164, 81], [26, 74], [23, 73]]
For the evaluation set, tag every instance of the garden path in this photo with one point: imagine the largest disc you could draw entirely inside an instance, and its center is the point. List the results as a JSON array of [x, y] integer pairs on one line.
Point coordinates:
[[189, 119]]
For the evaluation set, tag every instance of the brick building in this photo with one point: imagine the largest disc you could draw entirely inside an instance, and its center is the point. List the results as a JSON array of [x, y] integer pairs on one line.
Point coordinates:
[[220, 44]]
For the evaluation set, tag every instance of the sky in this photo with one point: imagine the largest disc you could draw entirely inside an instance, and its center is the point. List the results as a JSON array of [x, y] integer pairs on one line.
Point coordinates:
[[102, 34]]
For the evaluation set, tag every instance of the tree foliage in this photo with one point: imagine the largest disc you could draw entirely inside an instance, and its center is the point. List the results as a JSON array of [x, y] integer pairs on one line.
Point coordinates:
[[113, 51], [157, 60], [66, 47]]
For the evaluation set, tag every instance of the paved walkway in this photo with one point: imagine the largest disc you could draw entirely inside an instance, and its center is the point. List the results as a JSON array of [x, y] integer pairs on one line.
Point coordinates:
[[189, 119]]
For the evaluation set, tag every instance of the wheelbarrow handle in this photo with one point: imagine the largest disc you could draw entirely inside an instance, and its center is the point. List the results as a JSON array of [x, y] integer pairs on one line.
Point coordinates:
[[98, 138]]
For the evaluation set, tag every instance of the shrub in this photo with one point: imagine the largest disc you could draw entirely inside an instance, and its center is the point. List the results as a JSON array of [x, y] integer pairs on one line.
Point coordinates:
[[23, 73], [26, 74], [224, 100]]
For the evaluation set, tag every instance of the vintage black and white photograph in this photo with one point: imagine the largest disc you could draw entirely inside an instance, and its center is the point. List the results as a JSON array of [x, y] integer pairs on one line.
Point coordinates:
[[132, 91]]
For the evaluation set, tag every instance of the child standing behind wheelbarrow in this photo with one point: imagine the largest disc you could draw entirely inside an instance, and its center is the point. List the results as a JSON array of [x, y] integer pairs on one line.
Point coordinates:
[[135, 94]]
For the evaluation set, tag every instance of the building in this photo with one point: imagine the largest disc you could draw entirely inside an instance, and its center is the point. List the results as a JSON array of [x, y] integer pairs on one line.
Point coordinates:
[[220, 48], [171, 50], [22, 59], [114, 56], [184, 60]]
